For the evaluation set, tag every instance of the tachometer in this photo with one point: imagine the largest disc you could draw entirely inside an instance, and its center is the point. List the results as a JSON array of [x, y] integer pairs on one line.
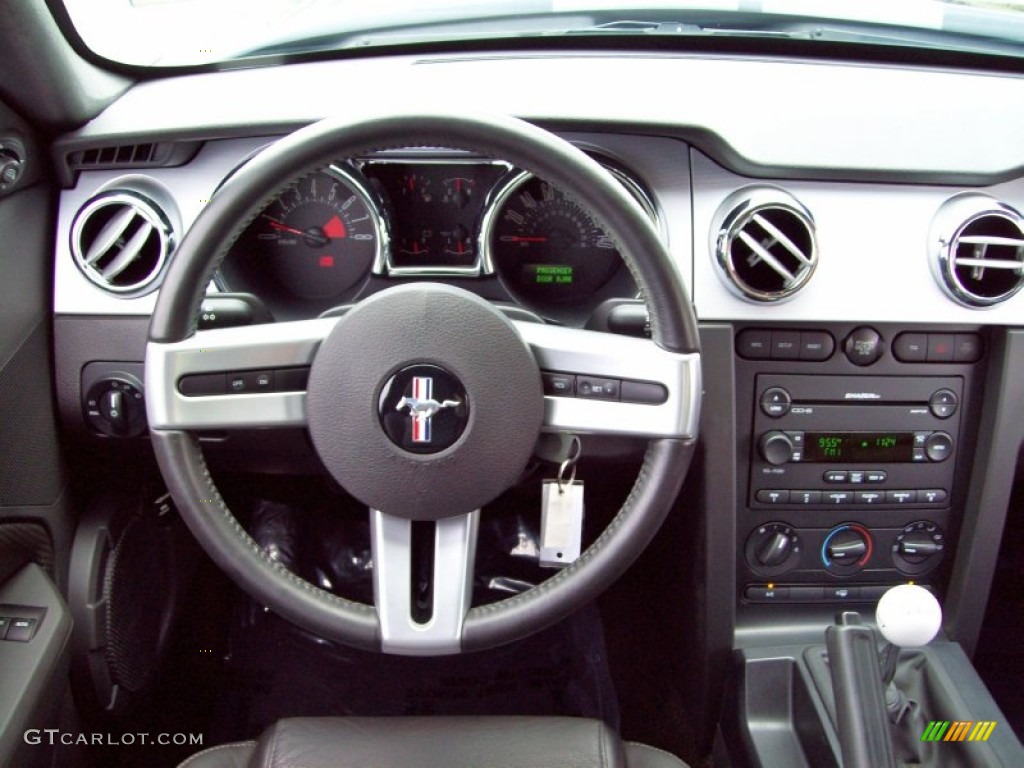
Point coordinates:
[[318, 239]]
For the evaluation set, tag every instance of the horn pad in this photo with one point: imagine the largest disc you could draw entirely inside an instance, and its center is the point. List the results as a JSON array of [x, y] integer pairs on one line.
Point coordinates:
[[424, 402]]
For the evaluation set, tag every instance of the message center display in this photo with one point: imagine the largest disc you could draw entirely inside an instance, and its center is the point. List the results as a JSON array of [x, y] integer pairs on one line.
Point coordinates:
[[838, 447]]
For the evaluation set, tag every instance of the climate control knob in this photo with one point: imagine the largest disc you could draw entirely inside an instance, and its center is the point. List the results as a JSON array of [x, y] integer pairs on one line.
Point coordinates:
[[776, 447], [919, 548], [773, 549], [847, 549]]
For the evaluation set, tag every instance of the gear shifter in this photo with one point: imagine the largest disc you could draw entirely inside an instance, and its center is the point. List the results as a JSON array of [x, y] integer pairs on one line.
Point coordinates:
[[908, 616]]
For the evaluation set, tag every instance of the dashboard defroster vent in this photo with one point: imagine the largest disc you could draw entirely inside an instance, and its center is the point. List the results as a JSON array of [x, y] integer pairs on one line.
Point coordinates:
[[978, 245], [120, 240], [764, 242]]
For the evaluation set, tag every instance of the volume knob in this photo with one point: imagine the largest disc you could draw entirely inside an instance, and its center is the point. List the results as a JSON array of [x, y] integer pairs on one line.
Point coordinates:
[[776, 447]]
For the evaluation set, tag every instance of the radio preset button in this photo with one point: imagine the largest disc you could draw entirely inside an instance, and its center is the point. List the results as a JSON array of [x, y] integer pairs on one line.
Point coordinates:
[[838, 497], [938, 446], [805, 498], [836, 476], [869, 497], [772, 497], [776, 402], [864, 346], [932, 496], [901, 497]]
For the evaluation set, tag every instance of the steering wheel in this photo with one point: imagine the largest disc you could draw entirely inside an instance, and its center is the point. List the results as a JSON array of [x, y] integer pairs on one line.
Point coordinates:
[[374, 361]]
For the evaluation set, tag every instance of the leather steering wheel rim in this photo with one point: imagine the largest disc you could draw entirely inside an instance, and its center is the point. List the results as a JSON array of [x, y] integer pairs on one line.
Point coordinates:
[[530, 148]]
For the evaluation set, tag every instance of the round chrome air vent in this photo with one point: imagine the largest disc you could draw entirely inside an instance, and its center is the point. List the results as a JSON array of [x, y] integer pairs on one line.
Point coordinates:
[[977, 246], [764, 244], [120, 240]]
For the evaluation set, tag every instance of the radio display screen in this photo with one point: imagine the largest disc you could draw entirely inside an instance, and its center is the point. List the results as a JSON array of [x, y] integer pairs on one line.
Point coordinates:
[[892, 447]]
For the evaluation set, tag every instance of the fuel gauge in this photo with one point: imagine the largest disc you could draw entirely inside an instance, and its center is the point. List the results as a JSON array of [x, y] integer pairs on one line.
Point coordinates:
[[458, 191]]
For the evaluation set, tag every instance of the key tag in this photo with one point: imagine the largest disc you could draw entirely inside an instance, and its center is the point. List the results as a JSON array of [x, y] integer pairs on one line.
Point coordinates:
[[561, 521]]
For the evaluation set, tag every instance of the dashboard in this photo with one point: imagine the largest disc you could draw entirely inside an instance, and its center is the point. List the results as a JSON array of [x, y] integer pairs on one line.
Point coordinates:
[[856, 265]]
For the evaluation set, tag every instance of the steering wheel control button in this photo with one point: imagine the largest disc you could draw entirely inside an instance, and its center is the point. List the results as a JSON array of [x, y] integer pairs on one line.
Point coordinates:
[[424, 409], [597, 389], [938, 446], [291, 379], [644, 392], [864, 346], [369, 420], [559, 384], [943, 403], [200, 384], [776, 402]]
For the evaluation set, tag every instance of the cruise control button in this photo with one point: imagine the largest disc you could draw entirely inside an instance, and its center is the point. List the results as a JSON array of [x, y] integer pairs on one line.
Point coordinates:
[[645, 392], [597, 389], [558, 384], [202, 384]]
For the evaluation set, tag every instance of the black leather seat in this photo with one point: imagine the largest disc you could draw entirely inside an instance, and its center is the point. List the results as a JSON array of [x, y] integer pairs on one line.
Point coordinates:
[[436, 742]]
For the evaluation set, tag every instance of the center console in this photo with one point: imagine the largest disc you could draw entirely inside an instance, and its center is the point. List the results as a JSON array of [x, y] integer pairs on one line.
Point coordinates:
[[854, 443]]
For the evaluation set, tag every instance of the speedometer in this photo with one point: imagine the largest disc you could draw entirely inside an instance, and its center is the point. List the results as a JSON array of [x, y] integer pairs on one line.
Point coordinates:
[[546, 248]]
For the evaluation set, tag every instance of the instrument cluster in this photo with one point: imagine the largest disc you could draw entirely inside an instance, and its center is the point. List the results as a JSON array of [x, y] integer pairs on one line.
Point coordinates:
[[339, 234]]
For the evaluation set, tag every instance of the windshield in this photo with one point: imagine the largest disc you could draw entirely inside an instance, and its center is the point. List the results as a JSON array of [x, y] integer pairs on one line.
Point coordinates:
[[191, 32]]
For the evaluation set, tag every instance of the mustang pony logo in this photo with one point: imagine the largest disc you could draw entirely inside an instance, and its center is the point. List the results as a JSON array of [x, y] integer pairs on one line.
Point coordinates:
[[422, 407]]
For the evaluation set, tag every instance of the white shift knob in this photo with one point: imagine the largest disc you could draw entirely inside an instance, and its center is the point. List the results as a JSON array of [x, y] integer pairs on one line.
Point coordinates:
[[908, 616]]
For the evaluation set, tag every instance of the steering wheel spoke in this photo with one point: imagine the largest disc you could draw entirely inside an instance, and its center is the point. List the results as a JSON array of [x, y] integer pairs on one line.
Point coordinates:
[[231, 378], [618, 385], [423, 581]]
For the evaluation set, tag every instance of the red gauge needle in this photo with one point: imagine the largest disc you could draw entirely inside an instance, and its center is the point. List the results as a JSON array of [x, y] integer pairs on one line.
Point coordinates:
[[274, 223], [519, 239]]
